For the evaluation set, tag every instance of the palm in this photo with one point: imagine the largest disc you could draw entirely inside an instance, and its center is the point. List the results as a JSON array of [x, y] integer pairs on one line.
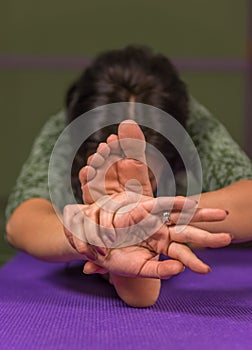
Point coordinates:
[[133, 228], [136, 261]]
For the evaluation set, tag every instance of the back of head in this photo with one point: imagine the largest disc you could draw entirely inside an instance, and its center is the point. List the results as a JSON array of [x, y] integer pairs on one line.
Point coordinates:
[[136, 74], [119, 75]]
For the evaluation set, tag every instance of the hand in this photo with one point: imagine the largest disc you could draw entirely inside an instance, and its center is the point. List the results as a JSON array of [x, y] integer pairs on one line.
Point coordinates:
[[117, 225]]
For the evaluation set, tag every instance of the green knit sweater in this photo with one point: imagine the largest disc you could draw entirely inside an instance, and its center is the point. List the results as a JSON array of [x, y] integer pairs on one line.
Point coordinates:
[[222, 160]]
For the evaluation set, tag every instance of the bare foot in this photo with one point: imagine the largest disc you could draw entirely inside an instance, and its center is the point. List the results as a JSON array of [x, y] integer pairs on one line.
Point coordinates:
[[118, 165]]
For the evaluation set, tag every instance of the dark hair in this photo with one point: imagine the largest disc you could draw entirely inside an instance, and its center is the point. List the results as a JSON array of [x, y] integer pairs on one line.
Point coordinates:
[[116, 76]]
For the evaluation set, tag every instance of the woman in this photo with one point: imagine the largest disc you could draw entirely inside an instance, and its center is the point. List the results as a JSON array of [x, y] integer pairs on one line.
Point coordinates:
[[119, 76]]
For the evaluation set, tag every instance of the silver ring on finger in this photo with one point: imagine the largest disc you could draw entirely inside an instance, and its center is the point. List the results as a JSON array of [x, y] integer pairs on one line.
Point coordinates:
[[166, 218]]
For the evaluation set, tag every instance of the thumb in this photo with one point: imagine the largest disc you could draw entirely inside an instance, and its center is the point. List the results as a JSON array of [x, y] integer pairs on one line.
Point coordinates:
[[91, 268]]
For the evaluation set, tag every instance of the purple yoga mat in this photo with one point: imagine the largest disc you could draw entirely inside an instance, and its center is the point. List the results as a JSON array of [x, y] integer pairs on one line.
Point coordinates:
[[54, 306]]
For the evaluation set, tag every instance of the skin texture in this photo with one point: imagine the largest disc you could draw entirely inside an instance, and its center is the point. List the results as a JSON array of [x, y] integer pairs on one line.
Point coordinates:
[[42, 234], [110, 171]]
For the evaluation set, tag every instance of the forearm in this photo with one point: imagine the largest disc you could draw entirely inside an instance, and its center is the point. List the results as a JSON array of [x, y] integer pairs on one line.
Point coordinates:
[[237, 200], [35, 228]]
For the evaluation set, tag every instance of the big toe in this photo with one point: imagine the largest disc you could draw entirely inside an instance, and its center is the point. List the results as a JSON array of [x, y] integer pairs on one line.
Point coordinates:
[[132, 140]]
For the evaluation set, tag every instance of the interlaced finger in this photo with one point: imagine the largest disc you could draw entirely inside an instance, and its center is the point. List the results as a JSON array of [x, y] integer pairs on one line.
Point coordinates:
[[184, 254], [191, 234]]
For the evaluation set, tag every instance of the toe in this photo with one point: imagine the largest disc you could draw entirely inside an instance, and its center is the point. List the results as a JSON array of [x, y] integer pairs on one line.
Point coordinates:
[[86, 174], [95, 160], [103, 149], [114, 144], [132, 140]]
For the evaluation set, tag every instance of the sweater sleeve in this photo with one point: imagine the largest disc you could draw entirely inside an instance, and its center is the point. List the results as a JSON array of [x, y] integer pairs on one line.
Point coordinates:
[[33, 179], [223, 161]]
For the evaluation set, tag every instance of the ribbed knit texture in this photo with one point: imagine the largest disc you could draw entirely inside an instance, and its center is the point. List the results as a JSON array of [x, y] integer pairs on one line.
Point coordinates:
[[54, 306]]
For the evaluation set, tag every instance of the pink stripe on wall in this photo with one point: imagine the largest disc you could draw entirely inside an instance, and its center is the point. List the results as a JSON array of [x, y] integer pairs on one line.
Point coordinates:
[[31, 62]]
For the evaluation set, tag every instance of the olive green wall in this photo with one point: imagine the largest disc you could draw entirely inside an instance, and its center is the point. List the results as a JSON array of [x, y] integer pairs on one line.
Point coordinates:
[[195, 28]]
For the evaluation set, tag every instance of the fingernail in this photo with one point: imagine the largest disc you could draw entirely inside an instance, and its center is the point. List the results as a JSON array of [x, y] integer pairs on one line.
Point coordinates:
[[83, 270], [209, 269]]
